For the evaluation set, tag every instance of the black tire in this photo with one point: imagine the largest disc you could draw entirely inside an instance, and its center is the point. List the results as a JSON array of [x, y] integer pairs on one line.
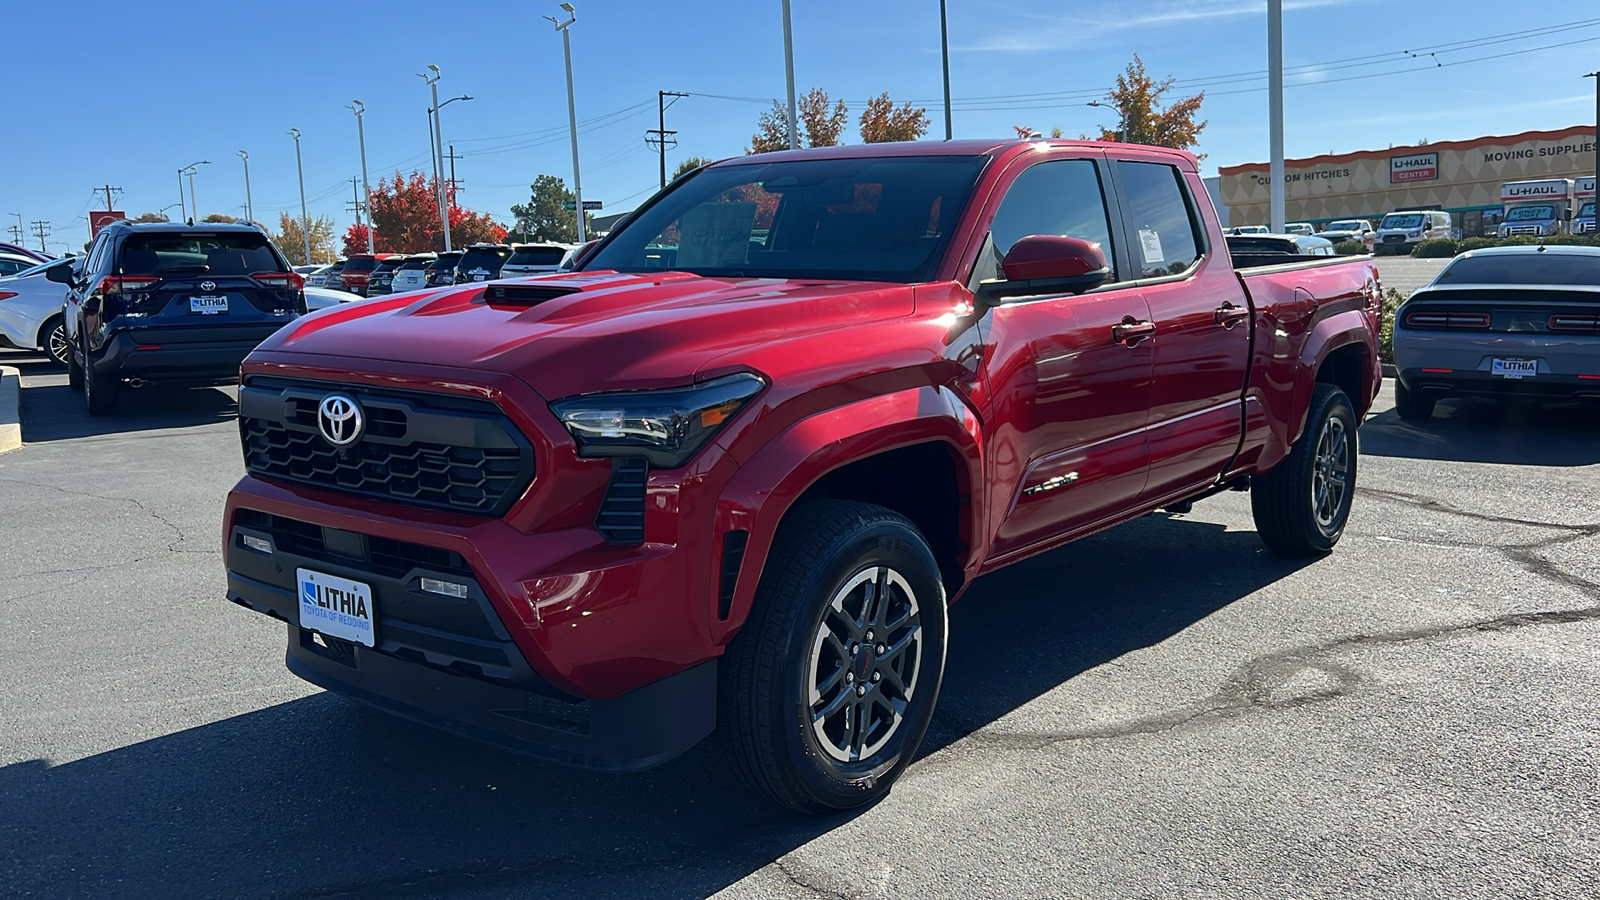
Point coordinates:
[[54, 338], [74, 369], [774, 666], [1302, 505], [100, 392], [1412, 404]]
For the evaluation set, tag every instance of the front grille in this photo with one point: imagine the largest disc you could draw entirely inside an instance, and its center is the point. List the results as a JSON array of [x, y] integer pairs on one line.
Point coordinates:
[[1394, 239], [436, 451], [385, 556], [1523, 229]]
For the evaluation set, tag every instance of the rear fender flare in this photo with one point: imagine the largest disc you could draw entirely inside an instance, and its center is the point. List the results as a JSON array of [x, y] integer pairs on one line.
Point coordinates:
[[761, 494], [1335, 332]]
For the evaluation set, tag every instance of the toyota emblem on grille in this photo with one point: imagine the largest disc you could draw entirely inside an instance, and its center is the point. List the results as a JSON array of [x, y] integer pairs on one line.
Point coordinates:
[[340, 420], [208, 285]]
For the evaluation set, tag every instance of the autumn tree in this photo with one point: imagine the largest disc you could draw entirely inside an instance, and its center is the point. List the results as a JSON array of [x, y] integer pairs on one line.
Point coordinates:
[[220, 219], [1027, 131], [882, 122], [545, 217], [291, 239], [355, 239], [1142, 121], [150, 217], [821, 122]]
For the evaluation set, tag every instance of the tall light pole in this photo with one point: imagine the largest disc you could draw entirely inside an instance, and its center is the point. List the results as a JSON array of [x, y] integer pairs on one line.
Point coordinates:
[[1279, 211], [189, 170], [572, 111], [1596, 77], [305, 218], [944, 46], [438, 153], [361, 133], [1122, 117], [249, 205], [788, 70], [183, 205]]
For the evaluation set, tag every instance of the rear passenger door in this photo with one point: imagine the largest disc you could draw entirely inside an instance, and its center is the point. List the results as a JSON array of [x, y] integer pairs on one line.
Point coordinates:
[[1067, 401], [1202, 342]]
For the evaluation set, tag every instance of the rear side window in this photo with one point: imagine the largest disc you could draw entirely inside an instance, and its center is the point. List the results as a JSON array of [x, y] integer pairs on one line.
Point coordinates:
[[1061, 198], [243, 253], [536, 256], [1161, 223]]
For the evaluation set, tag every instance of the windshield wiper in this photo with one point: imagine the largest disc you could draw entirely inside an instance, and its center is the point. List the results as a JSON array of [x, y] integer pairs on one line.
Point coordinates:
[[176, 269]]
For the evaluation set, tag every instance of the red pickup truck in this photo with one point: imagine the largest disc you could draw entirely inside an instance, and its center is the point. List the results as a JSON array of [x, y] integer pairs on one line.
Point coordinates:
[[730, 473]]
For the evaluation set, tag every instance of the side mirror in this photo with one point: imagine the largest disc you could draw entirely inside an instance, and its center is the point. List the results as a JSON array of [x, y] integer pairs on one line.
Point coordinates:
[[1048, 264], [60, 273]]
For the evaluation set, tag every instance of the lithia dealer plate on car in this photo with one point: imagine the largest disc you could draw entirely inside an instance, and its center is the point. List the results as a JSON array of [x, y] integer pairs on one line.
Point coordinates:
[[208, 304], [337, 607], [1516, 368]]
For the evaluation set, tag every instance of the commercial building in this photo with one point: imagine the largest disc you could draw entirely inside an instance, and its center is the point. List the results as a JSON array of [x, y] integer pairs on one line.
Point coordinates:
[[1460, 177]]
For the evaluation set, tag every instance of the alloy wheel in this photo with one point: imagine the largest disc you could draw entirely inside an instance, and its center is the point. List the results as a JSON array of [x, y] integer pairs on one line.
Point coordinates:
[[866, 660], [1330, 476]]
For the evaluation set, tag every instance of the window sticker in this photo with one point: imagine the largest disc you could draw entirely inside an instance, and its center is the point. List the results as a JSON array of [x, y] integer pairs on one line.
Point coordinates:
[[1150, 246], [716, 235]]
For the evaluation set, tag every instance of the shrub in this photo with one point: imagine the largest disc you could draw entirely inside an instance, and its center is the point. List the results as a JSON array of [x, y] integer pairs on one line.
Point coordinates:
[[1573, 240], [1350, 248], [1521, 240], [1476, 243], [1443, 248], [1392, 299]]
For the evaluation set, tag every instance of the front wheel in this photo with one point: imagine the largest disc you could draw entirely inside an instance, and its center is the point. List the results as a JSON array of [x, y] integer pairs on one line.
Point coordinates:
[[828, 689], [1302, 504]]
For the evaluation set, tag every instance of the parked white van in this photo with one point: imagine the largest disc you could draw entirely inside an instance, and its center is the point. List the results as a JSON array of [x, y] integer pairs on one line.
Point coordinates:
[[1405, 228]]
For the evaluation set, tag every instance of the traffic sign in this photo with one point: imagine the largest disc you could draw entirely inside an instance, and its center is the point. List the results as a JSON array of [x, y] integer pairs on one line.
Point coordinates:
[[572, 205]]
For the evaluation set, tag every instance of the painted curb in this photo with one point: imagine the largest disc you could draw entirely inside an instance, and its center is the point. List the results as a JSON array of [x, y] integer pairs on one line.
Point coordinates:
[[10, 408], [1390, 371]]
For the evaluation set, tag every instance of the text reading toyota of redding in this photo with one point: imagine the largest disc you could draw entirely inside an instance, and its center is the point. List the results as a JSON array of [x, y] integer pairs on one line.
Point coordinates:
[[728, 475]]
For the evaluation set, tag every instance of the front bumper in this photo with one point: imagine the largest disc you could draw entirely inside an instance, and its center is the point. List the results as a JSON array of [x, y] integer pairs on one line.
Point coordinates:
[[451, 663]]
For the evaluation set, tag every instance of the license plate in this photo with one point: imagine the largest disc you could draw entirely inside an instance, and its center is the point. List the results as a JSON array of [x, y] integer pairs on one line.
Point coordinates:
[[1515, 368], [479, 277], [334, 606], [208, 305]]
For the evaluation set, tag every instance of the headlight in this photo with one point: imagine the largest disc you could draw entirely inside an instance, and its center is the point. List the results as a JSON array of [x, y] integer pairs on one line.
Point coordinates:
[[1415, 234], [666, 427]]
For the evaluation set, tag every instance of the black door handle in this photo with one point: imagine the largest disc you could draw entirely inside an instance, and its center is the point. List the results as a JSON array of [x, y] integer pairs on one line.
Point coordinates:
[[1228, 315], [1131, 331]]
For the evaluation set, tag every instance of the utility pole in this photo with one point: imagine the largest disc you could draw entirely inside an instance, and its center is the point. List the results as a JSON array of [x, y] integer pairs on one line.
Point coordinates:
[[305, 217], [41, 230], [108, 189], [454, 184], [944, 47], [249, 205], [663, 139], [17, 230], [788, 67], [1278, 206], [366, 187]]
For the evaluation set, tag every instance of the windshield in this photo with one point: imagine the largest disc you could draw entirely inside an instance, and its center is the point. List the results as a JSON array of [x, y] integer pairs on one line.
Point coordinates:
[[1412, 220], [360, 264], [390, 264], [1542, 213], [537, 256], [419, 263], [864, 219], [237, 253], [1345, 225], [1523, 268], [1586, 211], [445, 261]]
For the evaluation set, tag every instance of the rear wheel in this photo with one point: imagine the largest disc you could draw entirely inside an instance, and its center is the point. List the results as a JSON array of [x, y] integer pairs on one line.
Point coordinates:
[[100, 392], [828, 689], [1301, 506], [1412, 404], [55, 340]]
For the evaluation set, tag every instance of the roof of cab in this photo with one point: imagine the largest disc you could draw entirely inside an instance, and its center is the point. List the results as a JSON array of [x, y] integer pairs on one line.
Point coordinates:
[[992, 147]]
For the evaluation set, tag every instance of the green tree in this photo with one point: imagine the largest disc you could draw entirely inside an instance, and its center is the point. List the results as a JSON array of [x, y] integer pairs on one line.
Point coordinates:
[[882, 121], [689, 165], [150, 217], [545, 217], [821, 122], [1142, 121], [291, 240]]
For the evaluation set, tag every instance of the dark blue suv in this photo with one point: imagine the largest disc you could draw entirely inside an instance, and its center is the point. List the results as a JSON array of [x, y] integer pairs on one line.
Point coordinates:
[[172, 304]]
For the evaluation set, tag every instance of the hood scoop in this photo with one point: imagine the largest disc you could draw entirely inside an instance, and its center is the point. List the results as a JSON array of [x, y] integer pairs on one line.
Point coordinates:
[[526, 294]]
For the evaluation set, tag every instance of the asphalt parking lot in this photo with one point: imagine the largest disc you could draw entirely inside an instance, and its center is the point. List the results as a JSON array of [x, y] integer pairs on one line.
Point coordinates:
[[1164, 709]]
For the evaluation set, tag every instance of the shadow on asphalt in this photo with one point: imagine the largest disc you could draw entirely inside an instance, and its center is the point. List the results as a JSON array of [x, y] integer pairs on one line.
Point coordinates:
[[55, 413], [1510, 432], [317, 797]]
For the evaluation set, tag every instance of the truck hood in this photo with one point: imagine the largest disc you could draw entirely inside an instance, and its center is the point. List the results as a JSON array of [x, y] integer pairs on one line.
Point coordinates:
[[612, 331]]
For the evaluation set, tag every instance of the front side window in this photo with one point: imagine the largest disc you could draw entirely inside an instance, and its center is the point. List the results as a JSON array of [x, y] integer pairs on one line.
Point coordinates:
[[1161, 222], [876, 219], [1061, 197]]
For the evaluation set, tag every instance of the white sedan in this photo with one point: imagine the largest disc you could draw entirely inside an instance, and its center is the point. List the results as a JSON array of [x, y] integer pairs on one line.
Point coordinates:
[[322, 298], [31, 313]]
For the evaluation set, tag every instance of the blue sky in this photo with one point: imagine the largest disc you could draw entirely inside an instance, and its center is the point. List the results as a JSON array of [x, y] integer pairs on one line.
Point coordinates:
[[129, 92]]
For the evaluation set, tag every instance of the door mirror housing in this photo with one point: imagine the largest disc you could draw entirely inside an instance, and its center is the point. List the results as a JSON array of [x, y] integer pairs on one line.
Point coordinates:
[[61, 273], [1047, 264]]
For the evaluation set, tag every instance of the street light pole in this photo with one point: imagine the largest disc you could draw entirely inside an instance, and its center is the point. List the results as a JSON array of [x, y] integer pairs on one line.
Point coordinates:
[[1122, 118], [1596, 77], [361, 134], [944, 46], [305, 217], [438, 151], [183, 205], [249, 205], [572, 114], [189, 170], [788, 68], [1278, 207]]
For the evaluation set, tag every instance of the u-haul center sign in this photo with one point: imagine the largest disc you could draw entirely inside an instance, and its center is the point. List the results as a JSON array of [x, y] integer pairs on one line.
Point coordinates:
[[1413, 167]]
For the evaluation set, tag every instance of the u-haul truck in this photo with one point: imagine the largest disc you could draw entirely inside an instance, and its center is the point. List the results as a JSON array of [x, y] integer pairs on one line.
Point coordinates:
[[1583, 219], [1538, 208]]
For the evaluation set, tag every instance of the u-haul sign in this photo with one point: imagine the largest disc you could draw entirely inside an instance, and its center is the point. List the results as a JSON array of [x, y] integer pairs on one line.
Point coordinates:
[[1586, 186], [1548, 189], [1413, 167]]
